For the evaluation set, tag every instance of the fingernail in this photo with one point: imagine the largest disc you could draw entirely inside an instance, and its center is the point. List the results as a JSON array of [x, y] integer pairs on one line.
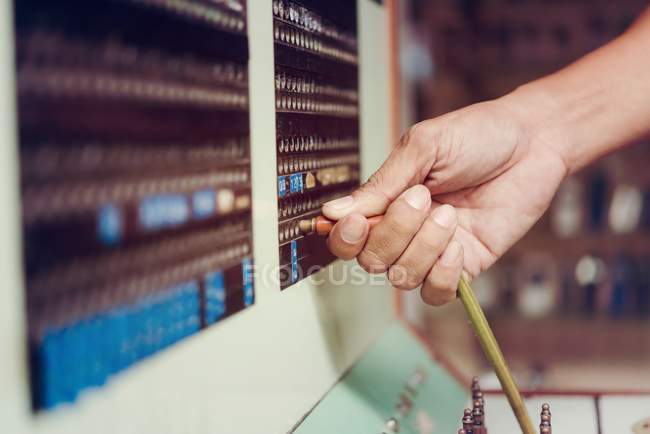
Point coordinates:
[[353, 228], [445, 216], [340, 203], [417, 197], [451, 253]]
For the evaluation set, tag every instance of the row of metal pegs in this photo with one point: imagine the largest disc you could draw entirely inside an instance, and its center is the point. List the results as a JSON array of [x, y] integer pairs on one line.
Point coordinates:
[[43, 48], [303, 103], [51, 160], [61, 82], [211, 14], [311, 42], [295, 206], [80, 272], [310, 85], [303, 17], [311, 143], [300, 163]]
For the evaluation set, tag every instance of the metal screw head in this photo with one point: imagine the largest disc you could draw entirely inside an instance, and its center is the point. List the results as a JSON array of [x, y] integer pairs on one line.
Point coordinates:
[[392, 425]]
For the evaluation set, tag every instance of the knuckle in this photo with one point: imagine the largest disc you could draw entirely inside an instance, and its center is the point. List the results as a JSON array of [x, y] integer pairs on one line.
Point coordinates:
[[413, 282], [406, 138], [374, 180], [401, 278], [399, 227], [424, 140], [384, 244], [371, 262], [372, 187], [415, 135]]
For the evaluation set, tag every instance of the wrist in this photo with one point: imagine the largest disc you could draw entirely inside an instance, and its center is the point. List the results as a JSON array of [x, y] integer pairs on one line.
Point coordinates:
[[538, 115]]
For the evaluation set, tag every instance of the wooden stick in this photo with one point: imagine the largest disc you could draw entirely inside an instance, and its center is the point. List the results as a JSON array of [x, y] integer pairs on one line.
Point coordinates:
[[494, 355]]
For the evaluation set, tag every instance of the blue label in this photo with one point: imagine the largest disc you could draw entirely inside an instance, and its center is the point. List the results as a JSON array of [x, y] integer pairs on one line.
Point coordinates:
[[247, 270], [214, 282], [192, 306], [158, 212], [50, 370], [204, 204], [109, 224], [215, 296], [282, 186], [296, 183], [249, 296], [294, 261]]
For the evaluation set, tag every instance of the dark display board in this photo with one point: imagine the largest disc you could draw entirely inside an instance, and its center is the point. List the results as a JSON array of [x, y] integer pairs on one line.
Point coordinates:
[[135, 177], [317, 112]]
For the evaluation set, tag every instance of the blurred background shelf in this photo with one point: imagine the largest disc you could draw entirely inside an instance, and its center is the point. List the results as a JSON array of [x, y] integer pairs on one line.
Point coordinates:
[[568, 338], [570, 302], [606, 244]]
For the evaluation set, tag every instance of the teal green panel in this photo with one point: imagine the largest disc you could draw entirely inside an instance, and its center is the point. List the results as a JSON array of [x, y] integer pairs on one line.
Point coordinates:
[[369, 394]]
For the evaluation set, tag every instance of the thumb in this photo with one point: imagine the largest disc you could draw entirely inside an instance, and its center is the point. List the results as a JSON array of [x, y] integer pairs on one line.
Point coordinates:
[[398, 173]]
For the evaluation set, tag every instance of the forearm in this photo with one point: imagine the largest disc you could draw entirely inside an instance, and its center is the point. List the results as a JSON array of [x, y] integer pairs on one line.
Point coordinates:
[[596, 105]]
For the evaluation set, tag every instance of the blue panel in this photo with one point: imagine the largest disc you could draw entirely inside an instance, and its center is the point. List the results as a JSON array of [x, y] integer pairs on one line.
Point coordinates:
[[109, 224], [87, 352], [294, 261], [215, 297], [247, 270], [158, 212], [296, 184], [204, 204], [282, 186]]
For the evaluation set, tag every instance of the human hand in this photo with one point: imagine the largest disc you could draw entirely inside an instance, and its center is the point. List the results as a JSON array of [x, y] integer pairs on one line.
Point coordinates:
[[457, 192]]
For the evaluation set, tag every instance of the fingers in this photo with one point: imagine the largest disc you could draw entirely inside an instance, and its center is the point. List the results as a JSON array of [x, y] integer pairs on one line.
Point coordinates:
[[413, 245], [441, 283], [392, 235], [412, 267], [372, 198], [348, 236], [401, 170]]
